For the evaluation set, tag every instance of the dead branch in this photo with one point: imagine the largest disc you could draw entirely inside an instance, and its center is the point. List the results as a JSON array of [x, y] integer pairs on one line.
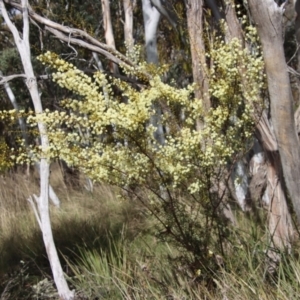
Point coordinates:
[[77, 36], [5, 79]]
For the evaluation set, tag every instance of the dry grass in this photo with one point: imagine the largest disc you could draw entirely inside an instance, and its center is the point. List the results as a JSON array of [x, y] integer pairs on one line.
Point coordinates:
[[105, 242], [84, 220]]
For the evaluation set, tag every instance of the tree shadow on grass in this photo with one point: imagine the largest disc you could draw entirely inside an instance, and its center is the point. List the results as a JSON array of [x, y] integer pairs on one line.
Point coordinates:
[[23, 259]]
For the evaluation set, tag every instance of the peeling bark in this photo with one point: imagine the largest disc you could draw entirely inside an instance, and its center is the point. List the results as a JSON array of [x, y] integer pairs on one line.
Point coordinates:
[[280, 223], [266, 182], [279, 218], [267, 16]]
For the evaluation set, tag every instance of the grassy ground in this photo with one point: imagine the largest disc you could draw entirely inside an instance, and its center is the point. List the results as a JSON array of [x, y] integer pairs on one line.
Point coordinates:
[[109, 251]]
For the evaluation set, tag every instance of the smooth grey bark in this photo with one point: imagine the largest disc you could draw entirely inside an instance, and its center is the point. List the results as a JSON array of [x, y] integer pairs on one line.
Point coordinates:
[[128, 24], [108, 29], [267, 16], [151, 20], [42, 202]]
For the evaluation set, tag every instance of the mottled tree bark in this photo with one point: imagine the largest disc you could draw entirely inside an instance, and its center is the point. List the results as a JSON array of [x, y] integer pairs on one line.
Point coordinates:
[[279, 218], [267, 172], [267, 16]]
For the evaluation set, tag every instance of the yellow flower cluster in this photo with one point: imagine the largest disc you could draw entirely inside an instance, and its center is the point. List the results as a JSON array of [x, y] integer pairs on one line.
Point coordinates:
[[106, 129]]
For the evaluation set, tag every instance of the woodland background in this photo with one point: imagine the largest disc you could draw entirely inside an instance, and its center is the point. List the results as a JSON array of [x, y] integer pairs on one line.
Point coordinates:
[[204, 202]]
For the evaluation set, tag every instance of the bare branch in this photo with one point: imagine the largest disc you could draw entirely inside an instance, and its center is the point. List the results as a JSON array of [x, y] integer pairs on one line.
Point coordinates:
[[107, 51], [78, 42], [5, 79]]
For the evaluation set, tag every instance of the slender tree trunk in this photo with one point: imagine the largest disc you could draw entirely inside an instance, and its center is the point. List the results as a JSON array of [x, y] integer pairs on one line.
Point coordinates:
[[151, 20], [109, 34], [234, 29], [195, 29], [267, 16], [128, 24], [42, 212]]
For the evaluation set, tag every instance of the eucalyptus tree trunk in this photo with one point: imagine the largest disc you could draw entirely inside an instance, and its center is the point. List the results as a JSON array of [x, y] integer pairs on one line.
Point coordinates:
[[166, 10], [267, 173], [151, 20], [195, 28], [41, 208], [128, 24], [234, 29], [266, 181], [297, 35], [109, 34], [279, 218], [267, 16], [297, 31]]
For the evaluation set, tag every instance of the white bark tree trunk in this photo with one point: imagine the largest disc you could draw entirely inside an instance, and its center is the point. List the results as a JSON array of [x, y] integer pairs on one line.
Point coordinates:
[[267, 16], [23, 46], [151, 20], [109, 34], [128, 24]]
